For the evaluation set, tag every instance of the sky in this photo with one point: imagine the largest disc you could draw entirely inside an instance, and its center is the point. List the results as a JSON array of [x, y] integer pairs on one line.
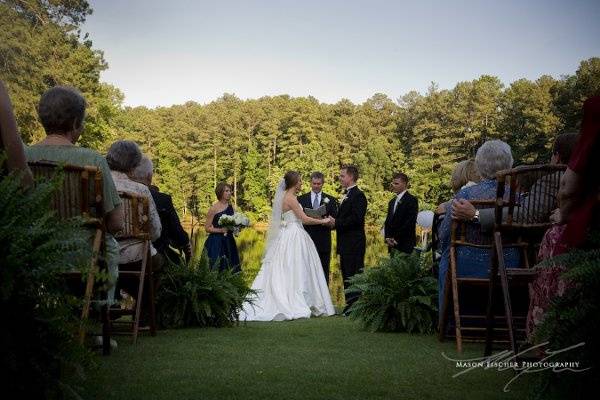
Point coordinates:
[[163, 52]]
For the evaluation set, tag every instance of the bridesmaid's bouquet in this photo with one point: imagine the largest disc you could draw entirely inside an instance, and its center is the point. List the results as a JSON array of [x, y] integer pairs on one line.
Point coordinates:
[[234, 222]]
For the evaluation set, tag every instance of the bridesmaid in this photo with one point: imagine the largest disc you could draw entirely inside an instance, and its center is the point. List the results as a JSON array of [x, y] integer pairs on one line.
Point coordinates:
[[220, 245]]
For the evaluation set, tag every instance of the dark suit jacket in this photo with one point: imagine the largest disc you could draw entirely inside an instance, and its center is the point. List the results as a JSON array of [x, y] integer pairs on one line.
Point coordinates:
[[321, 235], [350, 223], [400, 225], [172, 232]]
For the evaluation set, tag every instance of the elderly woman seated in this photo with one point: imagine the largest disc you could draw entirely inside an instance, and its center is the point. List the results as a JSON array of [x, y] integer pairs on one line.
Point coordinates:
[[123, 156], [62, 111], [491, 157]]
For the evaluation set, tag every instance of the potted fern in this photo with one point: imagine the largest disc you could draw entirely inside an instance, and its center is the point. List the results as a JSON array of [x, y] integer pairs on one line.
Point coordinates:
[[397, 295]]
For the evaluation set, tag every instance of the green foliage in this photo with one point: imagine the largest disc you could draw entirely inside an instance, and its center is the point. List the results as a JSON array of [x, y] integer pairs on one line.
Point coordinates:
[[37, 345], [194, 295], [40, 47], [572, 319], [397, 295], [251, 143]]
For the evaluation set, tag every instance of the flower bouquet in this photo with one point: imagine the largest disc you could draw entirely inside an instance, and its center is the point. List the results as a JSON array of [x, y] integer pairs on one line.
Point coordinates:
[[234, 222]]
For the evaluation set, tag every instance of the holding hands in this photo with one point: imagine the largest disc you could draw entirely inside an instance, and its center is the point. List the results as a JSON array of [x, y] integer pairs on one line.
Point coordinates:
[[329, 221], [391, 242]]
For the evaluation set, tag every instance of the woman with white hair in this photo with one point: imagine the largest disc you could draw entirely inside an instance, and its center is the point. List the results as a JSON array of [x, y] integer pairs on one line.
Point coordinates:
[[493, 156]]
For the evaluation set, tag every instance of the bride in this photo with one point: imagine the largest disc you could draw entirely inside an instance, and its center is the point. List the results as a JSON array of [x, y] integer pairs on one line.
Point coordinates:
[[290, 283]]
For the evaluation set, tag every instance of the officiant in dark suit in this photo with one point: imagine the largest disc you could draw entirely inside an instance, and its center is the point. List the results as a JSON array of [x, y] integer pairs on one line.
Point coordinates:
[[401, 220], [320, 234]]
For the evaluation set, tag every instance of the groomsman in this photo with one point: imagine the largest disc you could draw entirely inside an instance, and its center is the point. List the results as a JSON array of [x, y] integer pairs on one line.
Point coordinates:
[[320, 234], [350, 227], [401, 220]]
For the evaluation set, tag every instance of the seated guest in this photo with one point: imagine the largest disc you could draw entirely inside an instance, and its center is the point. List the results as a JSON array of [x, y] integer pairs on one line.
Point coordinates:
[[579, 214], [463, 175], [122, 157], [220, 246], [172, 234], [491, 157], [543, 191], [61, 111], [11, 141]]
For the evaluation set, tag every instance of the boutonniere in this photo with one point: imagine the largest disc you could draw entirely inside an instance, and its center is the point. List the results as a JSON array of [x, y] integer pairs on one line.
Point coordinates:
[[326, 200], [343, 198]]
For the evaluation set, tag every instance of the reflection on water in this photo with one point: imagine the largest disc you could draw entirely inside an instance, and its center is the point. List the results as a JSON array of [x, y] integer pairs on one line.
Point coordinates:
[[251, 244]]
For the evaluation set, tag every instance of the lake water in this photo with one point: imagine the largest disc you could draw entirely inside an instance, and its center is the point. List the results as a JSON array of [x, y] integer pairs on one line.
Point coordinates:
[[251, 242]]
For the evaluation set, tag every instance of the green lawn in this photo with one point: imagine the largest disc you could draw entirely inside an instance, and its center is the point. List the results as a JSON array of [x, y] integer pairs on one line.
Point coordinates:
[[327, 358]]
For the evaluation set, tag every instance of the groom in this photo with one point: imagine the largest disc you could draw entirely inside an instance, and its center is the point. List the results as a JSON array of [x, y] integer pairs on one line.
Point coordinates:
[[320, 234], [350, 227]]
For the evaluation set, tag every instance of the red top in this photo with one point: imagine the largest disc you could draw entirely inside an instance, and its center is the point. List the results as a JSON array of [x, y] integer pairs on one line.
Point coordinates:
[[585, 161]]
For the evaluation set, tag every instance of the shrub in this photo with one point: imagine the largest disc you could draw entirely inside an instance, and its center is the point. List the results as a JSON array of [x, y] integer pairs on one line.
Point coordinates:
[[396, 295], [195, 295], [572, 319], [37, 334]]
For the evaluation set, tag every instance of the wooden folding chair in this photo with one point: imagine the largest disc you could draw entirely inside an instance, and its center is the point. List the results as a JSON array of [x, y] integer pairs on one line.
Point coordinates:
[[460, 291], [80, 195], [523, 217], [137, 227]]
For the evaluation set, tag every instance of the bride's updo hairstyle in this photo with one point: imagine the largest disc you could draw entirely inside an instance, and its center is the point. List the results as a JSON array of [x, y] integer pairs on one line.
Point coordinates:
[[291, 178]]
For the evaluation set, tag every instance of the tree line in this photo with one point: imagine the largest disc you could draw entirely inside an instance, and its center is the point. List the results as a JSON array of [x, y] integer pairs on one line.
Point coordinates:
[[251, 143]]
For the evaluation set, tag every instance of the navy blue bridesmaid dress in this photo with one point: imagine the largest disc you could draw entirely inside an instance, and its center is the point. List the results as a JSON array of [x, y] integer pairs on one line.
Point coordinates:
[[221, 249]]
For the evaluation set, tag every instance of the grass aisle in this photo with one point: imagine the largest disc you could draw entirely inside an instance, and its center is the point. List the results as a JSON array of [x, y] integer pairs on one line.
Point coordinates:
[[327, 358]]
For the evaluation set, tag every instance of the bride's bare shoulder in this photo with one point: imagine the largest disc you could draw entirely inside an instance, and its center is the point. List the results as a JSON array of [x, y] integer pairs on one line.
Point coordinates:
[[289, 202]]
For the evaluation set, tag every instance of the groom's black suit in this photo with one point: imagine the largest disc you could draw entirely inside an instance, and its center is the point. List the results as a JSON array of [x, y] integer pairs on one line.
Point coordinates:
[[351, 238], [320, 234]]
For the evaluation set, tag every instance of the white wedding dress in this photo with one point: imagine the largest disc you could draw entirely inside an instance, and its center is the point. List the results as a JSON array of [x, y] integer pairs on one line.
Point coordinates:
[[290, 283]]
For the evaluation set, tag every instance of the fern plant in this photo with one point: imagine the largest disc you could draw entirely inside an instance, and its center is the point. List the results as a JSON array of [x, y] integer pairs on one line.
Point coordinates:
[[195, 295], [37, 344], [571, 319], [397, 295]]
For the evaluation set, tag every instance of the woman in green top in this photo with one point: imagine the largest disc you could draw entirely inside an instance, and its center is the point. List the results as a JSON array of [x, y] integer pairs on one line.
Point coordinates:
[[62, 111]]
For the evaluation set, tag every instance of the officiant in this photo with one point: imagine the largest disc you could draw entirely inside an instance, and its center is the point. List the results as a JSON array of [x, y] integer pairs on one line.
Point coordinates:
[[324, 205]]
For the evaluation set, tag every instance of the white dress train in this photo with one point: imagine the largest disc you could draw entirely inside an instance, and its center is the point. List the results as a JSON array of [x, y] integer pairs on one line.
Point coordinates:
[[290, 283]]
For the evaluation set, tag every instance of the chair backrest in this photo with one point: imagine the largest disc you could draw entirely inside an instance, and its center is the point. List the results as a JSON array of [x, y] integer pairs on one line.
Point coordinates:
[[80, 191], [136, 215], [533, 192], [463, 233], [523, 214]]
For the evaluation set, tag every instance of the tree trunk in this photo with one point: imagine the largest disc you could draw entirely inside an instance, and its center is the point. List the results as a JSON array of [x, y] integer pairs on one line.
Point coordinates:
[[235, 187], [214, 166]]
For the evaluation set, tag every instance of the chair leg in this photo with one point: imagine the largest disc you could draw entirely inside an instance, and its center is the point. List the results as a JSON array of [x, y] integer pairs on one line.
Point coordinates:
[[106, 329], [489, 331], [140, 293], [89, 286], [151, 296], [443, 319], [455, 300], [505, 292]]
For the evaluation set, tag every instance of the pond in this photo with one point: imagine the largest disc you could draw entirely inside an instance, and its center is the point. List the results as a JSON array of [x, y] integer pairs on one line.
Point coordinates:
[[251, 242]]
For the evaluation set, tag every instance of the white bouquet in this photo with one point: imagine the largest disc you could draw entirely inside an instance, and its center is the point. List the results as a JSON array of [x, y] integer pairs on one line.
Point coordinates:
[[234, 222]]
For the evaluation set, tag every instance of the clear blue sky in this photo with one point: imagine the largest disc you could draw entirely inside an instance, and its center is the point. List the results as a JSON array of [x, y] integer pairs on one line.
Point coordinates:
[[168, 52]]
